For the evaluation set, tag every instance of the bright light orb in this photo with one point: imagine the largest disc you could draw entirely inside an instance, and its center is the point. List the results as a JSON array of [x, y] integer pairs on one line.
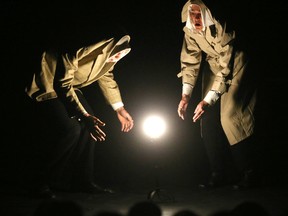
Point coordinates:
[[154, 126]]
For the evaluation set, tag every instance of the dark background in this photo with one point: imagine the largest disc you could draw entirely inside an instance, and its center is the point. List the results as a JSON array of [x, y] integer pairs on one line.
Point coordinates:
[[147, 79]]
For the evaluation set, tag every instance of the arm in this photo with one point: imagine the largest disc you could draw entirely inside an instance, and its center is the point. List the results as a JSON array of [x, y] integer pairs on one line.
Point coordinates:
[[64, 75], [190, 63], [112, 94], [223, 78], [224, 62], [66, 67]]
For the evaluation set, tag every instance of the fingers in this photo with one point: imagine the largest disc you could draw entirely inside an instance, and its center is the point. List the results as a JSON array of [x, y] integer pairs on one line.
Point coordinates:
[[181, 115], [182, 109], [93, 124], [99, 122], [127, 126], [97, 138], [125, 119], [198, 113], [181, 112], [98, 134]]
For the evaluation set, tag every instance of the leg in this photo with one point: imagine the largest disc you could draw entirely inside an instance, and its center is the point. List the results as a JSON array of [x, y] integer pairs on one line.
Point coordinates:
[[245, 159], [217, 147], [55, 136], [82, 164]]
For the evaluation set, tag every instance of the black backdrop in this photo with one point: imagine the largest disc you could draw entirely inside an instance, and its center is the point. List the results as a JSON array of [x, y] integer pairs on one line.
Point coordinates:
[[147, 78]]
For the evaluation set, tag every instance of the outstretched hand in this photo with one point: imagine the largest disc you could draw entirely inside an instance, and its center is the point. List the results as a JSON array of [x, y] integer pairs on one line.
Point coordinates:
[[182, 107], [199, 110], [93, 124], [125, 119]]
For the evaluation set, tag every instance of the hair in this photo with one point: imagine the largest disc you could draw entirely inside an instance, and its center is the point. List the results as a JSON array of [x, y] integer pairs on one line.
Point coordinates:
[[145, 208]]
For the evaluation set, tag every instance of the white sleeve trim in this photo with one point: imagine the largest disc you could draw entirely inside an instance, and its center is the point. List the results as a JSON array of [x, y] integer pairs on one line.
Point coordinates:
[[211, 97], [117, 105], [187, 89]]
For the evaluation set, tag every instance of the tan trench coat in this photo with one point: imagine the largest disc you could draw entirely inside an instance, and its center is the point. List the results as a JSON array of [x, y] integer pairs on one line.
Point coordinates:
[[83, 68], [238, 97]]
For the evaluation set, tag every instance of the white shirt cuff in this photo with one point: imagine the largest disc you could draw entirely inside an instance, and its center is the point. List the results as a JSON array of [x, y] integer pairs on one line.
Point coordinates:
[[187, 89], [117, 105], [211, 97]]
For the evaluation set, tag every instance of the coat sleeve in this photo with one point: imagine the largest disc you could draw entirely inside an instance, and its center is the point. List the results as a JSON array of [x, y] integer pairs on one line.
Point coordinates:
[[225, 60], [190, 59], [110, 88], [66, 67]]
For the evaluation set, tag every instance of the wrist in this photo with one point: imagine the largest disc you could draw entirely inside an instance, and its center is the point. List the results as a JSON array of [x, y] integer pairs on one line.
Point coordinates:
[[86, 114], [185, 98], [120, 109]]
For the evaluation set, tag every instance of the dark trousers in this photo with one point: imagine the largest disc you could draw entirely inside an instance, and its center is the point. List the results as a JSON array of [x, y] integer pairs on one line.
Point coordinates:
[[61, 151], [224, 158], [215, 141]]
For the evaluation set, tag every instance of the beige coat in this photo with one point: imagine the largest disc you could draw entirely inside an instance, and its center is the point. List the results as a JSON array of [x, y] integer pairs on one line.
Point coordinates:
[[81, 69], [228, 77]]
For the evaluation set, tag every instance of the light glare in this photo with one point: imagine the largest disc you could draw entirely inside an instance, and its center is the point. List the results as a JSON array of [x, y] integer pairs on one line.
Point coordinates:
[[154, 126]]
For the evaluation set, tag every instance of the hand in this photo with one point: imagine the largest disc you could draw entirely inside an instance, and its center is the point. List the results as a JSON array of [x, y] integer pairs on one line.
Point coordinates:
[[93, 124], [125, 119], [182, 107], [199, 110]]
